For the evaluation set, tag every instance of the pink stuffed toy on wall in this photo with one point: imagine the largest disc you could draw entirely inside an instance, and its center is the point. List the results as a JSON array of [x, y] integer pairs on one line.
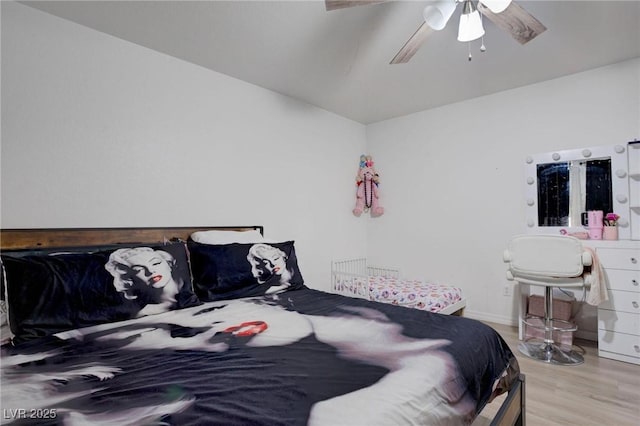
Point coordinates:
[[367, 181]]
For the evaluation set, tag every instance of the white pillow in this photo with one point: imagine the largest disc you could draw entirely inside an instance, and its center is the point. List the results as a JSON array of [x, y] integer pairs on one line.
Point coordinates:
[[227, 237]]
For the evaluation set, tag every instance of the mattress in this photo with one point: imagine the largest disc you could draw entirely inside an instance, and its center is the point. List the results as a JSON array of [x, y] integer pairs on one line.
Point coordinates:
[[417, 294], [414, 294]]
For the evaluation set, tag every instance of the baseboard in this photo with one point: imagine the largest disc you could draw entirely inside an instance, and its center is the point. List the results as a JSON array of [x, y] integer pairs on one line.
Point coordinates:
[[587, 335], [483, 316]]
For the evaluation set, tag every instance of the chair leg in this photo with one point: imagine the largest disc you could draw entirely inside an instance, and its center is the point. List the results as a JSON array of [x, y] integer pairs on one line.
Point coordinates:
[[548, 316], [548, 351]]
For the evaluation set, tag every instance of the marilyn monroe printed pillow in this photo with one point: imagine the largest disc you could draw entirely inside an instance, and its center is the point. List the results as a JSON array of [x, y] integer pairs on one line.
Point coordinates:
[[52, 292], [229, 271]]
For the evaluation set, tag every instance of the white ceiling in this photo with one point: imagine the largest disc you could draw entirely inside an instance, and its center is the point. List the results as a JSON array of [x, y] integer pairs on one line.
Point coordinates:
[[339, 60]]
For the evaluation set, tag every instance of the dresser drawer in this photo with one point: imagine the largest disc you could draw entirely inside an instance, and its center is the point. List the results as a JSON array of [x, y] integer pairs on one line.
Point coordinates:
[[620, 343], [621, 322], [620, 279], [611, 258], [622, 301]]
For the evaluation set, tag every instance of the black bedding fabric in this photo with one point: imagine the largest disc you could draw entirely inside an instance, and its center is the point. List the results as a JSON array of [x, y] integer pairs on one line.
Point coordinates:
[[303, 357]]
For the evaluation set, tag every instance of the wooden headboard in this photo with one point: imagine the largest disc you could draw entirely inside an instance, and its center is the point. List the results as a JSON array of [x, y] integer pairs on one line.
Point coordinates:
[[17, 239]]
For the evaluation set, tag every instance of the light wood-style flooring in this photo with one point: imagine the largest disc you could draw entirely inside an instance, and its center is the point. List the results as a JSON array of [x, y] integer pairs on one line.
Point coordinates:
[[599, 392]]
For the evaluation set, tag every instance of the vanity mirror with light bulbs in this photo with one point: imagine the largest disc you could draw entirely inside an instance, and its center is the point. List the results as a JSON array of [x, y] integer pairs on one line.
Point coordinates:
[[560, 187]]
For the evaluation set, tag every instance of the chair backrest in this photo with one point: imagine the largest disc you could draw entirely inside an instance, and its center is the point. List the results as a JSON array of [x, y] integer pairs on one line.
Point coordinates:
[[547, 260]]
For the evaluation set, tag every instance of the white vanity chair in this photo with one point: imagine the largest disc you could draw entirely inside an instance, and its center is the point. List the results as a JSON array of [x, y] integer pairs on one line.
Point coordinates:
[[549, 261]]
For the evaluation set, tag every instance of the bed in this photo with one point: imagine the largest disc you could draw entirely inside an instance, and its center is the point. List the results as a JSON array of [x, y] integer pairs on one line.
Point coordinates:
[[236, 346], [356, 278]]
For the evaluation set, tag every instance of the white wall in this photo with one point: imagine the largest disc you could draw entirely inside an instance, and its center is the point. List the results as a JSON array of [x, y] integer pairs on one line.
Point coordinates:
[[452, 178], [99, 132]]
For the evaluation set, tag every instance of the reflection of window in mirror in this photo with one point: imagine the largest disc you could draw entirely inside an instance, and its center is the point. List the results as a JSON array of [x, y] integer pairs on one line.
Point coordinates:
[[567, 189], [553, 194], [598, 186]]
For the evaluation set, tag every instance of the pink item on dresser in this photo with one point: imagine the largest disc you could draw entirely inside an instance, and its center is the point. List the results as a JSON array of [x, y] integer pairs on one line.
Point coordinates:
[[595, 224], [610, 233]]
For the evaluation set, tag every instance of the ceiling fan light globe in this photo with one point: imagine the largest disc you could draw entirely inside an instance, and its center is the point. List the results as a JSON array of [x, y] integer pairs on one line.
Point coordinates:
[[470, 27], [496, 6], [438, 14]]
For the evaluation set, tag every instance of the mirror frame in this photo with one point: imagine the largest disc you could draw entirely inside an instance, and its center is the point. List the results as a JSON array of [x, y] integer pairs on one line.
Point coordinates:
[[619, 185]]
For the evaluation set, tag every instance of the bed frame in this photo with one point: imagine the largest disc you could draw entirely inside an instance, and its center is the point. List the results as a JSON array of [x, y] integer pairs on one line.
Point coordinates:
[[511, 412], [359, 268], [22, 239]]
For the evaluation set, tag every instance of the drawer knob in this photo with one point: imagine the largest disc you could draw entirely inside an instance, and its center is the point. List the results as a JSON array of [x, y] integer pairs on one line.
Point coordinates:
[[634, 260], [635, 304], [634, 282], [637, 348]]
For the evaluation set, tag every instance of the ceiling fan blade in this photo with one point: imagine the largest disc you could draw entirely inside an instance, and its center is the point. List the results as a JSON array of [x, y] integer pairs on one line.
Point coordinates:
[[341, 4], [412, 45], [522, 25]]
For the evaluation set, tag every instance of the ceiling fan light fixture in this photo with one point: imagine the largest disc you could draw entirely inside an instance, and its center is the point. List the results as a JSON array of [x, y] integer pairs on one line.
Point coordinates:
[[496, 6], [438, 14], [470, 27]]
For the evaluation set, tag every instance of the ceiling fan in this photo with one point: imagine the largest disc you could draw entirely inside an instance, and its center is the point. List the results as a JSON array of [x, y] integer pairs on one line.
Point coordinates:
[[505, 14]]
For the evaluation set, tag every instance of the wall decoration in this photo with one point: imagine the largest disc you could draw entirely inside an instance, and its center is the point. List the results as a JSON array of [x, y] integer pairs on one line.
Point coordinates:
[[367, 182]]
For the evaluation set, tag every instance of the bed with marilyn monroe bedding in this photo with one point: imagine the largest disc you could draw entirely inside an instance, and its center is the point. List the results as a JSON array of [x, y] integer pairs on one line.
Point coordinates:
[[289, 356]]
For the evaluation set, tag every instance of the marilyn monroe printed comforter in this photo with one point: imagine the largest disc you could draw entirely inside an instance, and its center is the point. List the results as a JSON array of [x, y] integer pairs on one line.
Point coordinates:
[[303, 357]]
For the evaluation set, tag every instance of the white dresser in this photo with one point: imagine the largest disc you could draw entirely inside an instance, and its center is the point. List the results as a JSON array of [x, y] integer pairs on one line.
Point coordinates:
[[619, 317], [618, 327]]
